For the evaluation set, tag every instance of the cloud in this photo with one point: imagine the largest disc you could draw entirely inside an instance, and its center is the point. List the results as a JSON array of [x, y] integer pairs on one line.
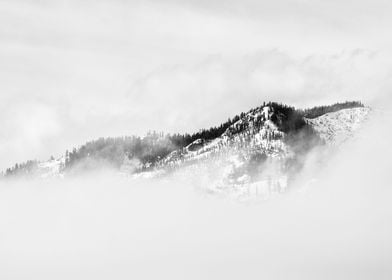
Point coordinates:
[[28, 126], [73, 71], [201, 93], [120, 68], [103, 226], [188, 97]]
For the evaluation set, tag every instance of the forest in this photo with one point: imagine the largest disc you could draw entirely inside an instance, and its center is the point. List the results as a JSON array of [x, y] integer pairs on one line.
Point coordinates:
[[321, 110], [147, 150]]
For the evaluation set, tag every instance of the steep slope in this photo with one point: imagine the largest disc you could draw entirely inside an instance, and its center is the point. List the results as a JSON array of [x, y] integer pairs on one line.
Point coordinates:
[[337, 127], [253, 133], [256, 152], [251, 158]]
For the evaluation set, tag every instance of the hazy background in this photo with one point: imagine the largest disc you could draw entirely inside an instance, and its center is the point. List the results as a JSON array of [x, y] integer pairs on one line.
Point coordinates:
[[335, 224], [71, 71]]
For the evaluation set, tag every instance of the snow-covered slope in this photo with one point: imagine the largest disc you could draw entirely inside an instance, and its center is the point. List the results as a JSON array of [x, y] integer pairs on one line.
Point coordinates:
[[248, 158], [337, 127], [252, 133], [251, 158], [50, 168]]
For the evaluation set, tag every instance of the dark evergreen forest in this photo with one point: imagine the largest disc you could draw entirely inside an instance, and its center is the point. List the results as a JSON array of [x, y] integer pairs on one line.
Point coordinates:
[[156, 145]]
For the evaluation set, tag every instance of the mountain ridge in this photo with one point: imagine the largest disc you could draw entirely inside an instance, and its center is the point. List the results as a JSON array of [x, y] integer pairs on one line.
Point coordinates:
[[270, 130]]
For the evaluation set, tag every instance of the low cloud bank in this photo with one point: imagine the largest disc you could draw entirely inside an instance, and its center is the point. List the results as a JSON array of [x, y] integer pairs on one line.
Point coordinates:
[[335, 224]]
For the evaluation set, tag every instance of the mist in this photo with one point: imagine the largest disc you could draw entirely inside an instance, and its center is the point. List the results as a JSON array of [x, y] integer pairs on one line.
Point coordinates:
[[333, 224], [72, 71]]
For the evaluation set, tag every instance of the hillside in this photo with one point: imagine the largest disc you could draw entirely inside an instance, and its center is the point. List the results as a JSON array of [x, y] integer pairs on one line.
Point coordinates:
[[335, 128], [264, 144]]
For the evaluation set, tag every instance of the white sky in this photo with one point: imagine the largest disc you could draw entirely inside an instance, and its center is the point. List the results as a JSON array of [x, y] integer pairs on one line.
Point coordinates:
[[71, 71]]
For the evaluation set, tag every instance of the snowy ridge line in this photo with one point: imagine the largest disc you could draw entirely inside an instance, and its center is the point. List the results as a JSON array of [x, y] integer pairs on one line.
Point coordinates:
[[256, 137], [253, 132], [337, 127]]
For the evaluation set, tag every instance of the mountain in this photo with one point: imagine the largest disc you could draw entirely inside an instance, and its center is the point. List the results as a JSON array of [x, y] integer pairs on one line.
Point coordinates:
[[337, 127], [260, 154], [257, 152]]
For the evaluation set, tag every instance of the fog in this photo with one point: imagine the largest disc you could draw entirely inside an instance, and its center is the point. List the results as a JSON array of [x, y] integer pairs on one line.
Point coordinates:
[[335, 223], [72, 71]]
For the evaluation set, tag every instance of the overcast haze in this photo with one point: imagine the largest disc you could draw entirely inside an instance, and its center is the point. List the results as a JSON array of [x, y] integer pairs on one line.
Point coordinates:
[[336, 226], [71, 71]]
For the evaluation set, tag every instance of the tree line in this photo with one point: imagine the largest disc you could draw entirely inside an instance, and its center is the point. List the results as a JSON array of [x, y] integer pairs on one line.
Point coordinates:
[[321, 110], [157, 145]]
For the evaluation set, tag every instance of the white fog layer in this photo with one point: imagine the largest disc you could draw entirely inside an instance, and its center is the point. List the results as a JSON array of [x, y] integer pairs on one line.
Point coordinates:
[[179, 139], [71, 71], [335, 225]]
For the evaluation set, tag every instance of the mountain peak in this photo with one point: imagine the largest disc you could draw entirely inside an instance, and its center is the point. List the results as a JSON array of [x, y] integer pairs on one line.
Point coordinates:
[[260, 148]]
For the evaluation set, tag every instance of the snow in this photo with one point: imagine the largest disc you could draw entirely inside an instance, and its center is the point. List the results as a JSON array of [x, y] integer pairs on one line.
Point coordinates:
[[195, 144], [336, 127], [252, 135], [230, 153], [266, 112], [51, 168], [247, 137]]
